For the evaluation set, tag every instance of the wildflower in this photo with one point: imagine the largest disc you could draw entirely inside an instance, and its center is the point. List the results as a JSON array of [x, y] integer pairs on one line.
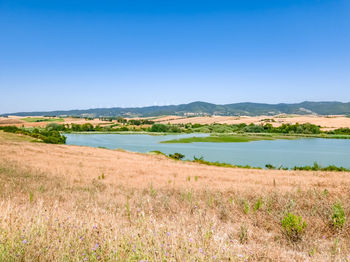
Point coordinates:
[[24, 241], [201, 250], [168, 234], [95, 247]]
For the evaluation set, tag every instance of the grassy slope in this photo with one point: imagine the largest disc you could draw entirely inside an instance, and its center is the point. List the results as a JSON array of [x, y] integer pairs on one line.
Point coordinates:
[[55, 205], [9, 137]]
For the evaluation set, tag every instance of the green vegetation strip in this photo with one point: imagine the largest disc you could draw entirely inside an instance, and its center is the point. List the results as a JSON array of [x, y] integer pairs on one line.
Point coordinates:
[[255, 132], [200, 160], [225, 139], [41, 119], [208, 163]]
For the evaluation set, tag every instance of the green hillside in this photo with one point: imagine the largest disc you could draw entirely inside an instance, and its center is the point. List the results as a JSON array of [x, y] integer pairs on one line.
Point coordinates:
[[203, 108]]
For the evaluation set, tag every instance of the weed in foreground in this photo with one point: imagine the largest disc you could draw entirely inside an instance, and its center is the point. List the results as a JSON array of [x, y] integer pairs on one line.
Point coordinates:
[[246, 207], [293, 227], [338, 216], [31, 197], [258, 205], [243, 235]]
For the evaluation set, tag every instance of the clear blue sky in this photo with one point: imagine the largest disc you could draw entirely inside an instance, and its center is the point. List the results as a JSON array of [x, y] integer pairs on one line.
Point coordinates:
[[75, 54]]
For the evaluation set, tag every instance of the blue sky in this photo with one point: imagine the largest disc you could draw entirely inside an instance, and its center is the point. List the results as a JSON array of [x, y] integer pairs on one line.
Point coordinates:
[[83, 54]]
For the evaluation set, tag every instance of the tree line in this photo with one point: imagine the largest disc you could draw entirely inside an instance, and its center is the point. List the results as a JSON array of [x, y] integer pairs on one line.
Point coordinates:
[[297, 128]]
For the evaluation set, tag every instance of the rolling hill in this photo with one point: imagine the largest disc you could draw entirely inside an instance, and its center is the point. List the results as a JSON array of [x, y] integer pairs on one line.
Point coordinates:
[[203, 108]]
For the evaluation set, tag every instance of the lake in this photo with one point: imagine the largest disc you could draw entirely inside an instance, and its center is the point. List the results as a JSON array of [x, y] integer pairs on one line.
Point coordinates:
[[289, 153]]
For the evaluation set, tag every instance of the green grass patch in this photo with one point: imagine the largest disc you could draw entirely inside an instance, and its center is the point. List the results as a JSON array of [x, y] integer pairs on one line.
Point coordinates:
[[16, 138], [42, 119], [156, 152], [220, 164], [224, 139]]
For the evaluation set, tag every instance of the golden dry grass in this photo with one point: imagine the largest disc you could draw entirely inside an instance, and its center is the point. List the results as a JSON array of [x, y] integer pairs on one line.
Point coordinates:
[[70, 203], [17, 121], [328, 122], [10, 121]]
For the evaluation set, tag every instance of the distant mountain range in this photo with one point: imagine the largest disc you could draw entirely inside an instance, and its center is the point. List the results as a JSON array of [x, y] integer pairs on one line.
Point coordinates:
[[203, 108]]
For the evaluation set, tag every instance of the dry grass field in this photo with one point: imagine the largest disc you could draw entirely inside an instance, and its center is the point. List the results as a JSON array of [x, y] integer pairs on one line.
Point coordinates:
[[70, 203], [328, 122], [18, 121]]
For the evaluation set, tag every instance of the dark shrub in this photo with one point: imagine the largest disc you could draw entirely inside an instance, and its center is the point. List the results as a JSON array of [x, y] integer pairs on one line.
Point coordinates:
[[177, 156]]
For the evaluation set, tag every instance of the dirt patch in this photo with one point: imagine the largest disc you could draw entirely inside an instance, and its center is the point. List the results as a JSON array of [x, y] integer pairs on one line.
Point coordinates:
[[9, 121]]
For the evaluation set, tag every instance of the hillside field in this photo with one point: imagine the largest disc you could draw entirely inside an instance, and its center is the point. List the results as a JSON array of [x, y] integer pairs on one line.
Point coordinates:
[[326, 122], [71, 203]]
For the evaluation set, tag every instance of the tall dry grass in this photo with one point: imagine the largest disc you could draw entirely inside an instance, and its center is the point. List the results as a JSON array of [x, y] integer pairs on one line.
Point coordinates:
[[47, 218], [63, 203]]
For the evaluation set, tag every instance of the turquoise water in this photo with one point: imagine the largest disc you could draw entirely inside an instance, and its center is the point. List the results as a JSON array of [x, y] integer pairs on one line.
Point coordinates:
[[288, 153]]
